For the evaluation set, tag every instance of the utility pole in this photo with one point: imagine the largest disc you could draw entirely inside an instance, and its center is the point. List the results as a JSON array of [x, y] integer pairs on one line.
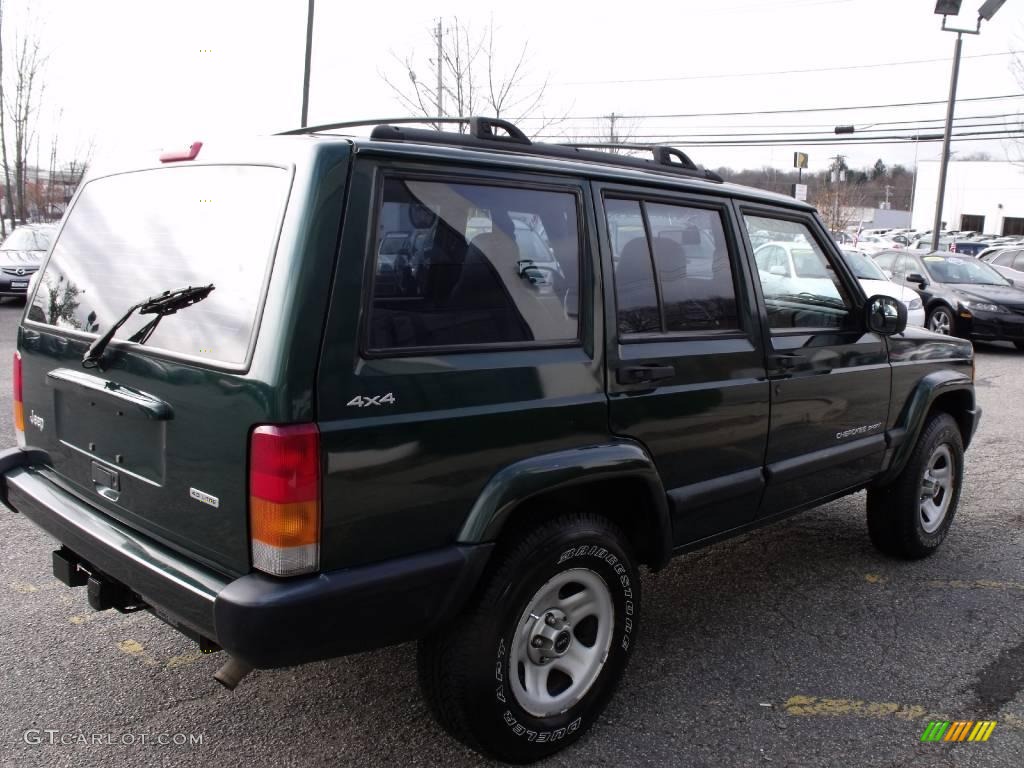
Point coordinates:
[[944, 161], [838, 175], [440, 77], [309, 56], [612, 138], [888, 191]]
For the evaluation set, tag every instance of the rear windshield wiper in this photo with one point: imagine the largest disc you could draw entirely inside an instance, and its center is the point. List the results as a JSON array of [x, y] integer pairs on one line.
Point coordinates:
[[167, 303]]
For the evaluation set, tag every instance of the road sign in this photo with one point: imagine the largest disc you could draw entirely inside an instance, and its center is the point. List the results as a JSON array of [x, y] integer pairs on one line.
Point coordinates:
[[799, 159], [800, 192]]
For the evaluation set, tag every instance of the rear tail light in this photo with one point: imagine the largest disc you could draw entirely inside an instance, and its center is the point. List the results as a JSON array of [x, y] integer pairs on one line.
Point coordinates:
[[19, 403], [284, 499]]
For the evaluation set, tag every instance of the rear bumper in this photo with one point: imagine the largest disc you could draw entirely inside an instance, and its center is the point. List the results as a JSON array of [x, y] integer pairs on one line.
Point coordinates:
[[266, 621]]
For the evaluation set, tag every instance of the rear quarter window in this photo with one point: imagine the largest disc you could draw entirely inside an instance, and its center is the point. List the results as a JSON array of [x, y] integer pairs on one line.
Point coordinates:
[[135, 235]]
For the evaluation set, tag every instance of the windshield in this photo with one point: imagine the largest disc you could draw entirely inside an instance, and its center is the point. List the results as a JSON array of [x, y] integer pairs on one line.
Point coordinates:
[[25, 239], [863, 267], [136, 235], [950, 269]]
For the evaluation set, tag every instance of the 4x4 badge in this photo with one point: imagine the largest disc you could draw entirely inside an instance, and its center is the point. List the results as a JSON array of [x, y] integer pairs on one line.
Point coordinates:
[[365, 402]]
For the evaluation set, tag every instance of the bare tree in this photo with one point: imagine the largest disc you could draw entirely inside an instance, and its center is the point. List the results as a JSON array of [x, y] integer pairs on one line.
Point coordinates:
[[23, 109], [463, 74], [8, 198], [839, 203]]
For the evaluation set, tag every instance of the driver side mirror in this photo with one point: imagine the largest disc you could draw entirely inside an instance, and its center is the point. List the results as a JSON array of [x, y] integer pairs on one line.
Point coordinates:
[[885, 315], [917, 277]]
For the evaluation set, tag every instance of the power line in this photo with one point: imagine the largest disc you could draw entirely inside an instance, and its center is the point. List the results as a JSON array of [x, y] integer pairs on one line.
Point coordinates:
[[730, 75], [830, 126], [801, 110], [997, 135], [797, 135]]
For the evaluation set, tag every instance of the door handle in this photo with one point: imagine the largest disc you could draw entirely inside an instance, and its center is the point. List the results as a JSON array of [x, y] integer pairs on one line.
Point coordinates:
[[786, 359], [644, 374]]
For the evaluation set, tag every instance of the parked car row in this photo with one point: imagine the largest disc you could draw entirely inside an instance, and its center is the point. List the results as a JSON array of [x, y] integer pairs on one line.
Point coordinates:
[[961, 296]]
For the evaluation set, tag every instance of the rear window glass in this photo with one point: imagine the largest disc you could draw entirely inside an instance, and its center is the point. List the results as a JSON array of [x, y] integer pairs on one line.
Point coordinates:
[[136, 235]]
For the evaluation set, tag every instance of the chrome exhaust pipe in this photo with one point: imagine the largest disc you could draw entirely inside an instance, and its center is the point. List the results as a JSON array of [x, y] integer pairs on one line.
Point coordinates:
[[231, 673]]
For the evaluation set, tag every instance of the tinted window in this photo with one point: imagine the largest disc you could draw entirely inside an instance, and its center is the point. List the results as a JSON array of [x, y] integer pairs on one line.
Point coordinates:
[[137, 235], [692, 257], [635, 295], [1018, 261], [813, 297], [479, 265], [954, 269], [1004, 259]]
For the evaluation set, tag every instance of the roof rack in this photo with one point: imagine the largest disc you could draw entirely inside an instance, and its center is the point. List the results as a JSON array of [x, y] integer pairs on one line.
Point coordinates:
[[482, 133]]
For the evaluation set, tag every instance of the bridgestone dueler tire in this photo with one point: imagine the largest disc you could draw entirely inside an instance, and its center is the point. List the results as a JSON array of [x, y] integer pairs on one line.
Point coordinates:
[[464, 671], [893, 511]]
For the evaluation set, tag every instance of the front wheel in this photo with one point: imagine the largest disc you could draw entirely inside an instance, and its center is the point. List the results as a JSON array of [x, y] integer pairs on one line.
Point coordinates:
[[910, 517], [941, 320], [535, 658]]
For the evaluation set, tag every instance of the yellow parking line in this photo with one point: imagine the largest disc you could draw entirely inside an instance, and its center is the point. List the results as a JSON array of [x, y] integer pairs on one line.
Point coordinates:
[[819, 706]]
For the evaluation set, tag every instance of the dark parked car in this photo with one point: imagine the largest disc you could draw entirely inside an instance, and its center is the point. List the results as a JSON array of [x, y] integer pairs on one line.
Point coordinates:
[[962, 296], [246, 430], [21, 253], [968, 247]]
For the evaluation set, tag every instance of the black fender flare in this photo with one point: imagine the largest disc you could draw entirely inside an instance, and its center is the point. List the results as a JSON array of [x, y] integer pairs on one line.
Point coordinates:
[[513, 485], [904, 435]]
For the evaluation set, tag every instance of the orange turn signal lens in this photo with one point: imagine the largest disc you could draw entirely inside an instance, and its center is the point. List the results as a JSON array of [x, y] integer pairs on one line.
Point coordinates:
[[284, 525]]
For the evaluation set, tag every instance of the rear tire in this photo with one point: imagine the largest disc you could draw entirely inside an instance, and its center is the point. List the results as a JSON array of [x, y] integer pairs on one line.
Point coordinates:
[[533, 660], [910, 517]]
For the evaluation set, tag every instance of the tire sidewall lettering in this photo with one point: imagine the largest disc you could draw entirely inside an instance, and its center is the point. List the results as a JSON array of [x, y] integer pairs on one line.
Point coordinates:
[[615, 575]]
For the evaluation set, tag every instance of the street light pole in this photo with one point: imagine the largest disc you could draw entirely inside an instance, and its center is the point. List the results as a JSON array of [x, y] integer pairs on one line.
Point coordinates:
[[945, 8], [309, 56], [944, 161]]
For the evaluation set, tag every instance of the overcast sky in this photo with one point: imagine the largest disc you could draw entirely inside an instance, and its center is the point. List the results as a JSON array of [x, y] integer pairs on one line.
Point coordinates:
[[128, 73]]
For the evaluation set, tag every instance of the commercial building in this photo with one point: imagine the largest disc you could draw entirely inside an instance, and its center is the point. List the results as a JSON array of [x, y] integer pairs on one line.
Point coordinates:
[[981, 196]]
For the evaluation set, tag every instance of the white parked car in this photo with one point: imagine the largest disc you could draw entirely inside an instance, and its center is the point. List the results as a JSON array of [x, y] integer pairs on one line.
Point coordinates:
[[1008, 262], [871, 244], [874, 281]]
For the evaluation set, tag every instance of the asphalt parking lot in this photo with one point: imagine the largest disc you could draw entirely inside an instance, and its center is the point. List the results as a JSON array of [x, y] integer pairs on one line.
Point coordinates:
[[795, 646]]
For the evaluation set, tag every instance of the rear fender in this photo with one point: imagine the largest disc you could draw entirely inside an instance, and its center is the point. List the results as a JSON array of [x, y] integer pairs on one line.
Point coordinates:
[[511, 487]]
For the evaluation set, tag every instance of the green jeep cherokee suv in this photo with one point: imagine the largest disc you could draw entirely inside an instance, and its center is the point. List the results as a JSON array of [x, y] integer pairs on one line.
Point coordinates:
[[317, 394]]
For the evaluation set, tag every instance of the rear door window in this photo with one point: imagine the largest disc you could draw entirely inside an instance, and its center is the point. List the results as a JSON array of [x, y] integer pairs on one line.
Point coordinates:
[[135, 235], [480, 265], [673, 273]]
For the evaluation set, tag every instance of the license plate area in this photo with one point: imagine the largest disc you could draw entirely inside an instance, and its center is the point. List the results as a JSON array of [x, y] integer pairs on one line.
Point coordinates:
[[118, 436]]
